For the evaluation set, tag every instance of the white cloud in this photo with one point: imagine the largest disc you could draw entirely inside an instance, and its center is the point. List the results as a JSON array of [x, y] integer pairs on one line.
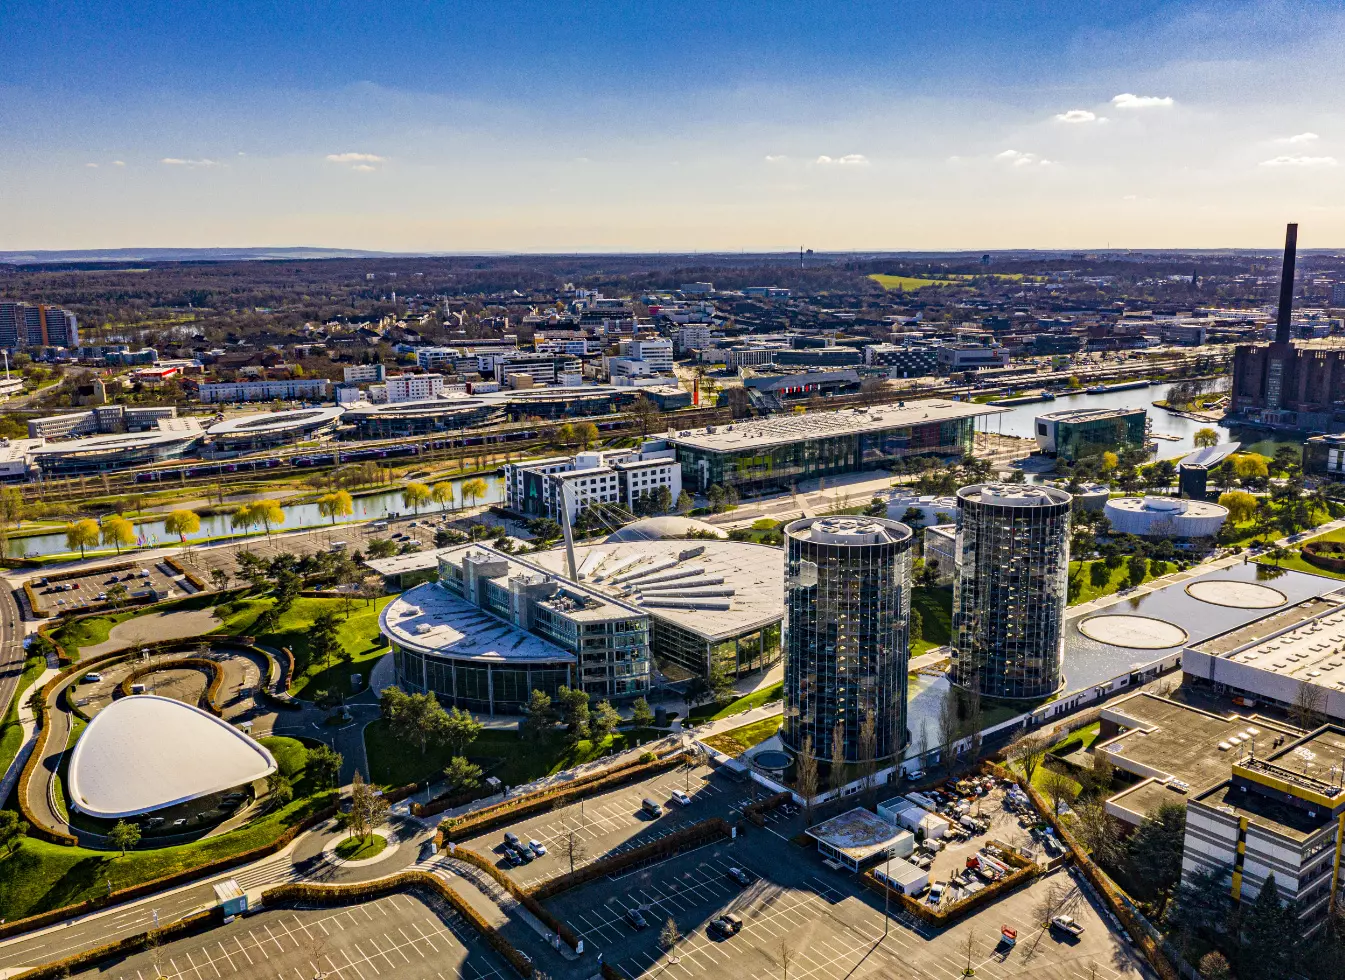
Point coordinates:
[[1128, 100], [364, 168], [1300, 161], [118, 163], [1079, 116], [355, 158], [1299, 139], [91, 166], [776, 158], [181, 162], [849, 160], [1016, 158]]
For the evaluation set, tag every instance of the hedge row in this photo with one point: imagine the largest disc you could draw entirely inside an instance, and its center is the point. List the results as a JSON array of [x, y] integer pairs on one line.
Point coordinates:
[[508, 811], [335, 894], [208, 699], [688, 838], [186, 573], [449, 801], [520, 894], [1138, 934], [756, 812], [191, 925]]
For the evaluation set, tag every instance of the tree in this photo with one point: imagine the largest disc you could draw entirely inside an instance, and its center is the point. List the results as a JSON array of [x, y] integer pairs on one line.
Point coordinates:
[[1155, 851], [13, 829], [1250, 468], [642, 716], [266, 513], [868, 749], [415, 495], [603, 720], [1214, 966], [322, 636], [836, 777], [1205, 437], [684, 503], [220, 577], [574, 712], [1059, 788], [118, 532], [570, 847], [460, 730], [784, 955], [461, 775], [1097, 830], [916, 627], [118, 594], [323, 766], [949, 728], [124, 836], [719, 681], [336, 504], [698, 691], [1270, 935], [545, 529], [805, 767], [669, 936], [367, 806], [1137, 568], [538, 717], [380, 548], [474, 489], [182, 523], [1309, 706], [279, 790], [565, 434], [81, 534], [442, 494], [586, 433], [646, 415]]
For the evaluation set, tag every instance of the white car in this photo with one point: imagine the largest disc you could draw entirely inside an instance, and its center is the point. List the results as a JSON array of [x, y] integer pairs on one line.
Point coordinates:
[[538, 847], [680, 798]]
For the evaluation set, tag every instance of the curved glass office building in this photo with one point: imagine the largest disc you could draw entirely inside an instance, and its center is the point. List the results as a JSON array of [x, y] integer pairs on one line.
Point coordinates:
[[1011, 589], [847, 606]]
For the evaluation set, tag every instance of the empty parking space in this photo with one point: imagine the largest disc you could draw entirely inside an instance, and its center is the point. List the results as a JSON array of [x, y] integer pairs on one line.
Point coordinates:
[[80, 592], [397, 936]]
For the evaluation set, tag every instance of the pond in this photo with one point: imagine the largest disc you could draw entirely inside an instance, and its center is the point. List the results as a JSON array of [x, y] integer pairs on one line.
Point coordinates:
[[366, 508]]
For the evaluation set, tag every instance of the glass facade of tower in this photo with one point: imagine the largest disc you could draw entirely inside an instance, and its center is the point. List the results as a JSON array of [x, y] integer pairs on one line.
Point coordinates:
[[1011, 589], [847, 606]]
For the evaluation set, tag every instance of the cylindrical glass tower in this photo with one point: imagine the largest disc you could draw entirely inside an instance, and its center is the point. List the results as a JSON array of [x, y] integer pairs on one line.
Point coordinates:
[[1011, 589], [847, 604]]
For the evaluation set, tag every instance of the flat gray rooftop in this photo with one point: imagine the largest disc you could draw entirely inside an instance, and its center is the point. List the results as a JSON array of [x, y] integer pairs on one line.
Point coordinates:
[[781, 430], [431, 619]]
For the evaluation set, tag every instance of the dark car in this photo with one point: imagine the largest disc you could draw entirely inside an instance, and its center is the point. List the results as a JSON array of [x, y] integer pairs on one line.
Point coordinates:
[[740, 876], [636, 919]]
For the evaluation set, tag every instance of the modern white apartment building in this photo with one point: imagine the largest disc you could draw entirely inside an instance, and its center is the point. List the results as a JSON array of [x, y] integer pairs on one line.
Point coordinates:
[[693, 336], [656, 352], [365, 373], [414, 387], [613, 477], [305, 389]]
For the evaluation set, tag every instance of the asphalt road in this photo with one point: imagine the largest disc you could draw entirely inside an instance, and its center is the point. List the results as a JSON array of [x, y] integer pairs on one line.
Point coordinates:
[[11, 646]]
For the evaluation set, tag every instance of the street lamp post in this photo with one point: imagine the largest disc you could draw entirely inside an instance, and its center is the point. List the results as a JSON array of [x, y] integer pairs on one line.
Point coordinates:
[[887, 893]]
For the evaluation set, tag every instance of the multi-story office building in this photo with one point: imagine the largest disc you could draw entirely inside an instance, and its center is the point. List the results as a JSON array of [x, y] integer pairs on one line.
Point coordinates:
[[1079, 432], [304, 389], [36, 325], [104, 419], [657, 353], [1324, 456], [971, 357], [362, 373], [615, 477], [941, 552], [1010, 589], [693, 336], [434, 358], [413, 387], [1338, 294], [903, 361], [494, 628], [847, 610], [542, 368], [777, 452]]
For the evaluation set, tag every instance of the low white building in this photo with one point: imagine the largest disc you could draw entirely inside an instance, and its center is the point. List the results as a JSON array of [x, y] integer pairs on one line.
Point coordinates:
[[413, 387], [1165, 517], [364, 373], [656, 352]]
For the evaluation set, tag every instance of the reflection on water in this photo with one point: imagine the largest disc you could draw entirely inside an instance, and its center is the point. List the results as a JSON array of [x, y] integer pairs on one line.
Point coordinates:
[[1088, 662], [1019, 421], [366, 508]]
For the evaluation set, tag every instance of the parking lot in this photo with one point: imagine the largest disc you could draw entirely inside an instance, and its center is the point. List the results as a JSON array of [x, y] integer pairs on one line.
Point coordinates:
[[614, 822], [78, 593], [399, 936]]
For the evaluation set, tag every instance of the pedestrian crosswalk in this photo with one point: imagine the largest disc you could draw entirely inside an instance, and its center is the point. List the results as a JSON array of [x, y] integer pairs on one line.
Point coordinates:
[[267, 873]]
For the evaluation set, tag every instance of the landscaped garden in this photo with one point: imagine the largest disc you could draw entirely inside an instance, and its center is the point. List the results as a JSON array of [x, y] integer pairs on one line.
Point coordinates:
[[736, 741]]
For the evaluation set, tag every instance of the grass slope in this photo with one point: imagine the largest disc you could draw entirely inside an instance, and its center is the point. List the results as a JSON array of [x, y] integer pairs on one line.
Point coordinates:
[[936, 614], [11, 732], [736, 741], [713, 712]]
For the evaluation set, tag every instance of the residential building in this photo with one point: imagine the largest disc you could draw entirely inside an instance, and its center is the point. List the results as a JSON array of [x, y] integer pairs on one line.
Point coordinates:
[[847, 610], [692, 336], [1338, 294], [697, 288], [36, 325], [364, 373], [777, 452], [657, 353], [413, 387], [574, 346], [1010, 589], [902, 360], [617, 477], [542, 368], [1078, 432], [435, 358], [301, 389]]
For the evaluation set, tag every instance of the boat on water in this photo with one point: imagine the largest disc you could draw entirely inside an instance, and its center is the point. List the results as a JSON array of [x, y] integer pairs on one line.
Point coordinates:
[[1097, 390]]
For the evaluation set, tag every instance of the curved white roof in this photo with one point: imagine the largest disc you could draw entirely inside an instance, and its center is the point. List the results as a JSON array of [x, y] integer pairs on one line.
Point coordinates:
[[145, 753], [267, 422], [658, 528]]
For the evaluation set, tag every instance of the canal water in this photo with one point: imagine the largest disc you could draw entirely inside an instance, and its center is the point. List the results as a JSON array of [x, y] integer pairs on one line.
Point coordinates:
[[370, 507], [1020, 419]]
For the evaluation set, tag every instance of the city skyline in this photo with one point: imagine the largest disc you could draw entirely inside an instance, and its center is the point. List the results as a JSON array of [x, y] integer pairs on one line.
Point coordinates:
[[525, 128]]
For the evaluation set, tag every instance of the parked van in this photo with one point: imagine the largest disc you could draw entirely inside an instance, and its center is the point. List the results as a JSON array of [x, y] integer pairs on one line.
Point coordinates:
[[651, 808], [138, 688], [728, 924], [338, 546]]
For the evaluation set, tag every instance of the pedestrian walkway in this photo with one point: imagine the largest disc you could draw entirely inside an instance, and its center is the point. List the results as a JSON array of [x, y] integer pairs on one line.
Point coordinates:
[[28, 722]]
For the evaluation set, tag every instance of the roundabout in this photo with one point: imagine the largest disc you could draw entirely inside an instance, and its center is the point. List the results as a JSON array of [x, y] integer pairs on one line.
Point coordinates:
[[1133, 632], [1237, 595], [357, 852]]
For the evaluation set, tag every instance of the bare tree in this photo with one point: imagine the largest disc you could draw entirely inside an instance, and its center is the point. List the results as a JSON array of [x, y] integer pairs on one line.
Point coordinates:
[[1309, 706], [1059, 899], [948, 727], [1097, 830], [1028, 752], [570, 847], [968, 971], [806, 769], [868, 750], [669, 937], [784, 955], [837, 755], [1059, 788]]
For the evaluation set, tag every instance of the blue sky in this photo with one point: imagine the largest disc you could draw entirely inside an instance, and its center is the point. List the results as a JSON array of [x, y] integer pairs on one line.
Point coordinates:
[[659, 126]]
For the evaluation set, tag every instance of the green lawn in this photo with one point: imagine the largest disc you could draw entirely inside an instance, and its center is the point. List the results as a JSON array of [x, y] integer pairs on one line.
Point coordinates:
[[736, 741], [907, 282], [502, 754], [936, 615], [1297, 563], [11, 732], [1118, 579], [357, 637], [361, 848], [1081, 739], [42, 876], [712, 712]]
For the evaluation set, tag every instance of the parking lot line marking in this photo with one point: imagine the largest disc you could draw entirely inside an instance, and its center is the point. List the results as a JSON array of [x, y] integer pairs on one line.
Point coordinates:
[[225, 954], [366, 959], [243, 949]]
